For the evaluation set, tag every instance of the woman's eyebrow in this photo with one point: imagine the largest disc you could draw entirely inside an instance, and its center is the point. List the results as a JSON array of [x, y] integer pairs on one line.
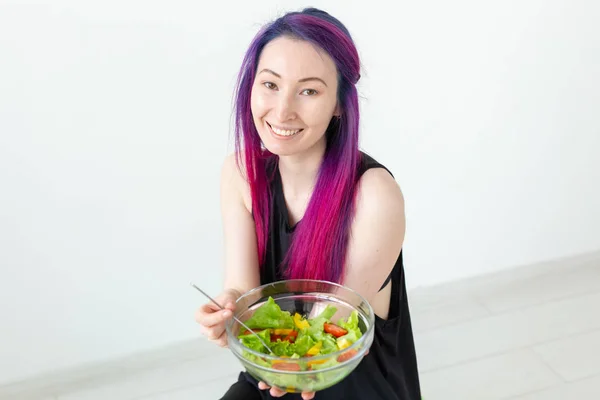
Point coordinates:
[[312, 78]]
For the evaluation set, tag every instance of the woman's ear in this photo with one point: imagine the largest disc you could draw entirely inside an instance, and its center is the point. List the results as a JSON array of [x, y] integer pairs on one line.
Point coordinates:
[[337, 112]]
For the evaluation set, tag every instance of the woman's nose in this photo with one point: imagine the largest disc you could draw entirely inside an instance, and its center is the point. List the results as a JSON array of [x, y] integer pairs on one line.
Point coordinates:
[[286, 109]]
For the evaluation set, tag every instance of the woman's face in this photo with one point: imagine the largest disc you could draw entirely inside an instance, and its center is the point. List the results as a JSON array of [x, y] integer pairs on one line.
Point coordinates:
[[294, 96]]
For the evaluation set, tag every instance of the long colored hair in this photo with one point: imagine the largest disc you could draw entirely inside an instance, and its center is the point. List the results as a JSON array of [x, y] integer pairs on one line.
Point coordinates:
[[319, 243]]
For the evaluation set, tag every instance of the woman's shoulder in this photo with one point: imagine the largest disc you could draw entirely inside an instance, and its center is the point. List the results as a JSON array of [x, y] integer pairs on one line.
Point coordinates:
[[377, 188], [233, 179], [378, 192]]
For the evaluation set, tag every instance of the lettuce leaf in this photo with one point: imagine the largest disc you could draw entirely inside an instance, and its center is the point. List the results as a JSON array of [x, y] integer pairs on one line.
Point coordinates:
[[326, 314], [329, 343], [351, 325], [252, 342], [329, 363], [270, 315], [303, 343], [257, 360], [282, 348], [316, 324]]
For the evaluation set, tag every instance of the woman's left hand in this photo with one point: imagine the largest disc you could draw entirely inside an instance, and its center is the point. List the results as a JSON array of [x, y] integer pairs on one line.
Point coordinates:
[[276, 392]]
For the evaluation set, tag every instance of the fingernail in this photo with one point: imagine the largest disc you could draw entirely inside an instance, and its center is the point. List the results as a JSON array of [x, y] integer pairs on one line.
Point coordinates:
[[226, 313]]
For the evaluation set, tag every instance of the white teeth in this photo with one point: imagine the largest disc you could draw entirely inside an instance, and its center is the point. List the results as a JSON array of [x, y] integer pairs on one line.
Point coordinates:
[[282, 132]]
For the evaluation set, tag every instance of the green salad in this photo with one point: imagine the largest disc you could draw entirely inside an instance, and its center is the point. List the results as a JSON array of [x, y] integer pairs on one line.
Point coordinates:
[[294, 336]]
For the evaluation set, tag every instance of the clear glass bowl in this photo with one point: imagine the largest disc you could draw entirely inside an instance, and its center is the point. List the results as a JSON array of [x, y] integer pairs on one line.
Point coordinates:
[[308, 298]]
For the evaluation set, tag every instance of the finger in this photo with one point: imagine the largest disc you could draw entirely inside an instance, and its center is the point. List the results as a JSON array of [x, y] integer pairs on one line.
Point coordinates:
[[276, 392], [263, 386], [208, 308], [209, 318], [204, 331], [212, 332], [222, 340], [200, 315], [308, 395], [220, 343]]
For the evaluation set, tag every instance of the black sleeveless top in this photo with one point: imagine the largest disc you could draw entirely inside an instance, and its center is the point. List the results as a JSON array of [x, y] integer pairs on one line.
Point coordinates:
[[389, 371]]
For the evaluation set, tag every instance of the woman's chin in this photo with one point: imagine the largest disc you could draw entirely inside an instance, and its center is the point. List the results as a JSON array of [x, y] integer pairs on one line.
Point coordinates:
[[280, 148], [281, 151]]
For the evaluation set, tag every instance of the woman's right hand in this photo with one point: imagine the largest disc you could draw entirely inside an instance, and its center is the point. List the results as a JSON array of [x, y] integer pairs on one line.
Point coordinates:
[[212, 319]]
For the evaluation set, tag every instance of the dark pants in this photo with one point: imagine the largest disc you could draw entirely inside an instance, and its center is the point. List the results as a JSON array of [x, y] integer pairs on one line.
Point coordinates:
[[242, 390]]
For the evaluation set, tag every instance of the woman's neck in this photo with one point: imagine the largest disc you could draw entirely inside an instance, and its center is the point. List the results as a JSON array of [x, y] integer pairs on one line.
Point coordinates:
[[299, 171]]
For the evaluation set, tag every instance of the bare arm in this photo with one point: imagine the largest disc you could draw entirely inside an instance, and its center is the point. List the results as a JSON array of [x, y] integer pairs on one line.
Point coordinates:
[[241, 255], [241, 260], [377, 233]]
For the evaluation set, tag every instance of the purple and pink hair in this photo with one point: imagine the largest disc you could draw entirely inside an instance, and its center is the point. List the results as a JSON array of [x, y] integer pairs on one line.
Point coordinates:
[[319, 243]]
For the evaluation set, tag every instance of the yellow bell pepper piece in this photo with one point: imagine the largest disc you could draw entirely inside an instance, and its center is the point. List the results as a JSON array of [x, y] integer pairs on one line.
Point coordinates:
[[300, 323], [279, 361], [313, 351], [315, 362], [343, 343]]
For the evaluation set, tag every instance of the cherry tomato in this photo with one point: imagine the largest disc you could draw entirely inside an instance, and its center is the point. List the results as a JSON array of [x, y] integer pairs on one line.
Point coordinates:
[[275, 337], [334, 330], [292, 336], [283, 366], [347, 355]]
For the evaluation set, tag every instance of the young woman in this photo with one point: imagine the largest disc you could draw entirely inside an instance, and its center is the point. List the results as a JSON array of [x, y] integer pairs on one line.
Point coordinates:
[[300, 200]]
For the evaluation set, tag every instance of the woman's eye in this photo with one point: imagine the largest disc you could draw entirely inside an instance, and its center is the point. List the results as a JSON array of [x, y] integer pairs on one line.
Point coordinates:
[[309, 92], [270, 85]]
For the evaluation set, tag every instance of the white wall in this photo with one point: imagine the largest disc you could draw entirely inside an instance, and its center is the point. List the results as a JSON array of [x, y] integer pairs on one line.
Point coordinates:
[[114, 119]]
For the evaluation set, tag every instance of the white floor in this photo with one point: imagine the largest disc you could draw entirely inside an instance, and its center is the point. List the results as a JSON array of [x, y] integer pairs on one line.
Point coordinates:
[[527, 334]]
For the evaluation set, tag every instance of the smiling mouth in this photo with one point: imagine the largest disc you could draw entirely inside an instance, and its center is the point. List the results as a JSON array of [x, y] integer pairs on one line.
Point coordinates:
[[284, 132]]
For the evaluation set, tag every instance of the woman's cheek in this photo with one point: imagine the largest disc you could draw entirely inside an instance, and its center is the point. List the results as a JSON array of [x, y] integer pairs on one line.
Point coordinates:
[[260, 101], [318, 114]]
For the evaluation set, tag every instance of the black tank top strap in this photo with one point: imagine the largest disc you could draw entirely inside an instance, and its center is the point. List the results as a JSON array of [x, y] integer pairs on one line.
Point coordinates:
[[368, 162]]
